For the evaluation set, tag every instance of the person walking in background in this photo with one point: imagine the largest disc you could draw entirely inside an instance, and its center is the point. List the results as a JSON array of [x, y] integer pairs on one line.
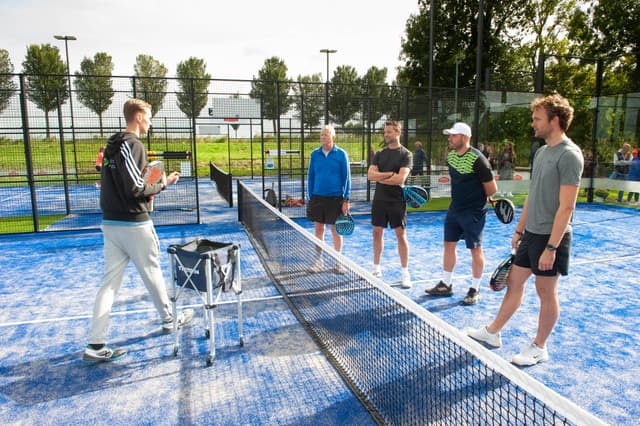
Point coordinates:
[[99, 158], [329, 186], [634, 175], [389, 169], [621, 163], [543, 234], [419, 159], [472, 183], [507, 162], [129, 234]]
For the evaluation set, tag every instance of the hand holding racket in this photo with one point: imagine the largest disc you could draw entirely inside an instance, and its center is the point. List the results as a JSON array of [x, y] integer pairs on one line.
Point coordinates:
[[154, 172], [344, 224], [415, 196], [504, 209], [499, 277]]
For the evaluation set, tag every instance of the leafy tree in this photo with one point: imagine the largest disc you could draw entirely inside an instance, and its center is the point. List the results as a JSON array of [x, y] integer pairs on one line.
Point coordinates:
[[310, 90], [344, 94], [7, 85], [378, 93], [194, 82], [150, 83], [94, 84], [265, 87], [46, 78]]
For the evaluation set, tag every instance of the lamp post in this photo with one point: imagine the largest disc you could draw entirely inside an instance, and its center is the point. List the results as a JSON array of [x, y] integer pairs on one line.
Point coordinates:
[[326, 86], [66, 39]]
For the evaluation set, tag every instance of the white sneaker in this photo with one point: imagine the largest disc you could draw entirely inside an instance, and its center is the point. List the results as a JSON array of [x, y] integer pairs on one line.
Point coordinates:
[[377, 271], [318, 266], [406, 280], [184, 318], [482, 335], [531, 355]]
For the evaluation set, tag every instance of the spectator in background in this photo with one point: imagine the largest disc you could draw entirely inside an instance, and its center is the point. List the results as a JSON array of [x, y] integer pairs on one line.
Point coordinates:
[[507, 162], [419, 158], [590, 165], [483, 148], [621, 163], [634, 175]]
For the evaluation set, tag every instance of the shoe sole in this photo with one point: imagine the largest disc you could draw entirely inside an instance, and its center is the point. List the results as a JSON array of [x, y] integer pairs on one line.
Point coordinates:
[[91, 360], [473, 302], [439, 294], [524, 364]]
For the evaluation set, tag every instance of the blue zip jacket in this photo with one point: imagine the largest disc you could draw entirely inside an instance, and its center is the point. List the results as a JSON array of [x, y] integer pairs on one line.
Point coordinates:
[[330, 175]]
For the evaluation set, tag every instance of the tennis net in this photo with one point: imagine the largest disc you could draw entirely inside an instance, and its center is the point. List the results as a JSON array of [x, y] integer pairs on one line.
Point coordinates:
[[405, 364]]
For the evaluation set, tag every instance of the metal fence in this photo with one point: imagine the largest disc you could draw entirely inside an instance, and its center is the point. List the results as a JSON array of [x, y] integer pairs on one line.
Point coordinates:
[[255, 130]]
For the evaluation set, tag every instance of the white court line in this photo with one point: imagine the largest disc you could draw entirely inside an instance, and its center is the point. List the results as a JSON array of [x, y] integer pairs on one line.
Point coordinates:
[[120, 313]]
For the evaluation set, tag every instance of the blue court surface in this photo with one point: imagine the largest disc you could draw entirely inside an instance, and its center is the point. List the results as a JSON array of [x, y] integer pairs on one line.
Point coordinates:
[[280, 376]]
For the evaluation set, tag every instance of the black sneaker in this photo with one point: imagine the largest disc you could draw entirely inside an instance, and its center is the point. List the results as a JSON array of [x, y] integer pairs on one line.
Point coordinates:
[[472, 297], [104, 354], [441, 290]]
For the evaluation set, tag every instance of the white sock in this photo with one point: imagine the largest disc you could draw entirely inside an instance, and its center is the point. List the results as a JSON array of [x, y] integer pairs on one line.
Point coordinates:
[[377, 267], [475, 283], [446, 277], [405, 270]]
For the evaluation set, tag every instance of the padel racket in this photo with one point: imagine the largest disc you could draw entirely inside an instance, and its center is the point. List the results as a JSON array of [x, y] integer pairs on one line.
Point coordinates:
[[504, 209], [345, 224], [153, 172], [499, 277], [415, 196]]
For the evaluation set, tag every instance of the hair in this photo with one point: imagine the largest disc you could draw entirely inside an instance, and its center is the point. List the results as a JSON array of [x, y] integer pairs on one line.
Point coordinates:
[[330, 128], [555, 106], [132, 107], [395, 124], [418, 144]]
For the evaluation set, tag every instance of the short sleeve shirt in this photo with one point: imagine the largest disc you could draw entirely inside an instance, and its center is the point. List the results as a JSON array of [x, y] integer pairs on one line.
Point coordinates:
[[390, 160], [468, 172]]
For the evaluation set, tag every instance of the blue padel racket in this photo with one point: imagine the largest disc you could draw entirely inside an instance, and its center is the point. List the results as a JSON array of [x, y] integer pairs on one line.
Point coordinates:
[[504, 209], [344, 224], [415, 196], [499, 277]]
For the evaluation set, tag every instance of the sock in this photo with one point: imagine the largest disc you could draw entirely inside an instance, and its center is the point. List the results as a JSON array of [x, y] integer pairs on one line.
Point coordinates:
[[96, 346], [475, 283], [405, 270], [446, 277], [377, 267]]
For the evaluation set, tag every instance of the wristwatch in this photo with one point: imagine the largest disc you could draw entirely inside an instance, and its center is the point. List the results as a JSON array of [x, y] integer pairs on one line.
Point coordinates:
[[551, 247]]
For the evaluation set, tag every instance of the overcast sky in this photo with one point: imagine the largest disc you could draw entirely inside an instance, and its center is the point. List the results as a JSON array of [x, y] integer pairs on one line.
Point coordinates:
[[234, 37]]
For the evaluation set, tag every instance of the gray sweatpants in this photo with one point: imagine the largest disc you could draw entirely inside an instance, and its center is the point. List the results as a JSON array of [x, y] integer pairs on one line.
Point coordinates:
[[138, 243]]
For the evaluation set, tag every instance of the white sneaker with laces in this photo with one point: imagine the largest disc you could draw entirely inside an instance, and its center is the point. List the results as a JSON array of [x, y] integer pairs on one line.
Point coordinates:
[[318, 266], [184, 317], [406, 280], [531, 355], [377, 271], [482, 335]]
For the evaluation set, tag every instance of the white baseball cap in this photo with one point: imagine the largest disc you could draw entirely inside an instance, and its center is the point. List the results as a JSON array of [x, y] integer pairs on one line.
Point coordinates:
[[458, 129]]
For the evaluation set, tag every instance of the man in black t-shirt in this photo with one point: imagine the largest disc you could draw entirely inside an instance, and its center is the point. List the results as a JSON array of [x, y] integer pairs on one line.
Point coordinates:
[[472, 183], [389, 169]]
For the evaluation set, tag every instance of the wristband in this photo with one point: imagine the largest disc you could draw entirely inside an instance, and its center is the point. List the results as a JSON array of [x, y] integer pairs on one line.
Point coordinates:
[[519, 233]]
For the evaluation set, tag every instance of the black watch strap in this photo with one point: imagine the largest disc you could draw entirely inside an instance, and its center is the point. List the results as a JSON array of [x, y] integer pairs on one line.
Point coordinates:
[[551, 247]]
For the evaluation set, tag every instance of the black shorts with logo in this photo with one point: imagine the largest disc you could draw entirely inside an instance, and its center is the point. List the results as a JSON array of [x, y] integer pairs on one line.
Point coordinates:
[[531, 248], [324, 209]]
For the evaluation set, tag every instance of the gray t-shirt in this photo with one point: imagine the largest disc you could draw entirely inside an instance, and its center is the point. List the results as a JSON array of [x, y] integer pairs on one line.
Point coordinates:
[[552, 167]]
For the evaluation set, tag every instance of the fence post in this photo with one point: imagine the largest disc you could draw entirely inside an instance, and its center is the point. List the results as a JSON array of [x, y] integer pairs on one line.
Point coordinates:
[[63, 156], [26, 135]]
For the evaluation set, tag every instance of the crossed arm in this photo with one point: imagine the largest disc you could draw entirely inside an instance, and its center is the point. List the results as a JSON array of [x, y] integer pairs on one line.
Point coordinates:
[[388, 178]]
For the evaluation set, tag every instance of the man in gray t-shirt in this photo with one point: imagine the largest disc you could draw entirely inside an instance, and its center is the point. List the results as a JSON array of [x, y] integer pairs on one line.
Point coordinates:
[[543, 234]]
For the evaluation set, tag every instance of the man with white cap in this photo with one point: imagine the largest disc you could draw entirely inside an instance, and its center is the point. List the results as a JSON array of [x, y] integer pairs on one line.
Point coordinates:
[[472, 183]]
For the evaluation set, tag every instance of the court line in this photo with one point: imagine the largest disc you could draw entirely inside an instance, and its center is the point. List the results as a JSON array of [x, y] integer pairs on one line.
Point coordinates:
[[133, 311]]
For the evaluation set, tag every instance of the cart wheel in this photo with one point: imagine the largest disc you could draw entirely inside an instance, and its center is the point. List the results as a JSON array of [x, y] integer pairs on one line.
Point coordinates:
[[209, 361], [207, 333], [241, 341], [175, 350]]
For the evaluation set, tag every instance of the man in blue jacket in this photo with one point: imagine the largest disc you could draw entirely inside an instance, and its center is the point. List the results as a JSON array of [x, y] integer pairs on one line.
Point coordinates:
[[329, 186]]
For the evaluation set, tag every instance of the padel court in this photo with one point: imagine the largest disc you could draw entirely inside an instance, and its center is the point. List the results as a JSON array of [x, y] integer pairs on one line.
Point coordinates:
[[280, 375]]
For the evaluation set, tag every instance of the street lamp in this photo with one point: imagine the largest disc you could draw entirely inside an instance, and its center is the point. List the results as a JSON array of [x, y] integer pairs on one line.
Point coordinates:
[[326, 86], [66, 39]]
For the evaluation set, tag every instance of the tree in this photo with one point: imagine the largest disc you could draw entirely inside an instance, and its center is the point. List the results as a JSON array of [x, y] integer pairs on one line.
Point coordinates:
[[46, 78], [310, 90], [7, 85], [150, 83], [378, 93], [272, 75], [94, 84], [344, 94], [194, 82]]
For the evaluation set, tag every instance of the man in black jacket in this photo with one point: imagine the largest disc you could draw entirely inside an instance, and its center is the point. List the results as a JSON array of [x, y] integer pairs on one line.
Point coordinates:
[[129, 234]]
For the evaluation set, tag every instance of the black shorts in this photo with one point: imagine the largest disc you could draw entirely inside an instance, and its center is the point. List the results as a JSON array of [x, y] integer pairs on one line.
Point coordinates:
[[392, 213], [465, 224], [531, 248], [324, 209]]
